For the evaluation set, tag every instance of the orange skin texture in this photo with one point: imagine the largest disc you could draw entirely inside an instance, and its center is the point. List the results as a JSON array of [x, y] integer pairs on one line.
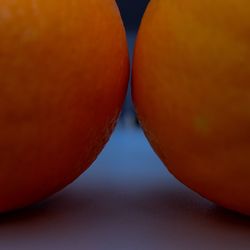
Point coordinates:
[[191, 89], [63, 76]]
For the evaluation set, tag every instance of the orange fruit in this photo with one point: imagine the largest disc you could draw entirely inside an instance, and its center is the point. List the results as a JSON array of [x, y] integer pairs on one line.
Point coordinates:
[[191, 90], [64, 70]]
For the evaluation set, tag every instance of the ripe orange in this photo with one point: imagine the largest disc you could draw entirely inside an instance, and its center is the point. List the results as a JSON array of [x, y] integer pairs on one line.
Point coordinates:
[[63, 77], [191, 88]]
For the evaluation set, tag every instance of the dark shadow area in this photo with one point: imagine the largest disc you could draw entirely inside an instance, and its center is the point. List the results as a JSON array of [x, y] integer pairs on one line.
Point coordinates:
[[182, 219], [26, 213], [77, 218], [109, 217], [182, 200], [59, 206]]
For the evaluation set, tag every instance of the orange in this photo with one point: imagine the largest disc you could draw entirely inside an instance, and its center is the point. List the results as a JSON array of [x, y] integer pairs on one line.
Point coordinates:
[[191, 89], [63, 77]]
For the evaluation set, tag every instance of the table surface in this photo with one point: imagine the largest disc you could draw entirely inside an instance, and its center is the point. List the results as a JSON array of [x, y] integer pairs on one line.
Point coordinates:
[[125, 200]]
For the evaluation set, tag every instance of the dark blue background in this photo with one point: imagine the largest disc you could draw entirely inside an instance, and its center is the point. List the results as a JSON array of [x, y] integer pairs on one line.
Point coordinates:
[[132, 11]]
